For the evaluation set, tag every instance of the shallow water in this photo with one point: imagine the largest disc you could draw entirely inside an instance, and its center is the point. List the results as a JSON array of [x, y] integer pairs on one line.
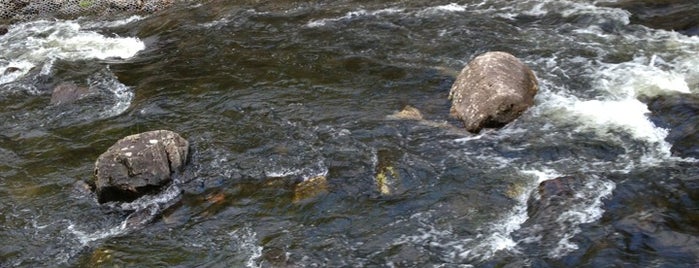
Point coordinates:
[[270, 94]]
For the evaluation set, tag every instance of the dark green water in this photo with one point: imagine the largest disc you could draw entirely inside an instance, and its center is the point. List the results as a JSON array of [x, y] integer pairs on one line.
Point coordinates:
[[270, 94]]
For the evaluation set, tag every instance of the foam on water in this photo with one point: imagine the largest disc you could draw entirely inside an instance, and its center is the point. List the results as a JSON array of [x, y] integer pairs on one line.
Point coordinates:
[[145, 209], [628, 115], [115, 23], [121, 94], [361, 13], [616, 109], [33, 44], [304, 173], [452, 7], [498, 235], [85, 238], [586, 208], [248, 244]]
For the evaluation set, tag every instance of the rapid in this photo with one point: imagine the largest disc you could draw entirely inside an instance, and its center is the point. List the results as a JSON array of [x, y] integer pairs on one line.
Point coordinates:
[[274, 92]]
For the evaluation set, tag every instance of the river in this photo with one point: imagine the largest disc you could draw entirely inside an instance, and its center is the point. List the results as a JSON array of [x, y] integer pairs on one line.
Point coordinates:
[[273, 93]]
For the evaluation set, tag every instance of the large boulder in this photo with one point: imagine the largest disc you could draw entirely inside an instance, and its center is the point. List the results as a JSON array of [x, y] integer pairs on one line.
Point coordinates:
[[138, 165], [492, 90]]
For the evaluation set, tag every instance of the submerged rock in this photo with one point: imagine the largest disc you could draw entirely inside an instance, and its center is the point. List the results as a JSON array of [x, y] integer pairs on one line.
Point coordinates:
[[679, 114], [492, 90], [677, 15], [553, 195], [310, 188], [138, 165], [68, 92], [408, 113], [10, 70], [3, 30]]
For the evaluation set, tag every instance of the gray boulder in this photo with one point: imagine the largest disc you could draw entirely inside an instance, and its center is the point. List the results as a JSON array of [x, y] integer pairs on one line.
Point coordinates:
[[138, 165], [492, 90]]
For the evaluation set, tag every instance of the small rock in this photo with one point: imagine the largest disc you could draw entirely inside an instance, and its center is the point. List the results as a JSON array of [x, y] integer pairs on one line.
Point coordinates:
[[138, 165], [385, 178], [3, 30], [409, 113], [10, 70], [553, 194], [82, 188], [68, 92], [309, 188], [494, 89]]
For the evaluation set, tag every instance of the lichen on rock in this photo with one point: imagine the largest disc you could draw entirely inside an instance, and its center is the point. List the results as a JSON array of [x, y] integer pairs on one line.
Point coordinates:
[[494, 89], [138, 165]]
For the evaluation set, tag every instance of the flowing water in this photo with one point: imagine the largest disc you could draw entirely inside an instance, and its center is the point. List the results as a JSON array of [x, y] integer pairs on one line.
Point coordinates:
[[273, 93]]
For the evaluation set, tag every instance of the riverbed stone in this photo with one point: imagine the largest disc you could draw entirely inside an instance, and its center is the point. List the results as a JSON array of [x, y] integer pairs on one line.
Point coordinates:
[[310, 188], [408, 113], [68, 92], [678, 114], [677, 15], [139, 164], [494, 89], [552, 195]]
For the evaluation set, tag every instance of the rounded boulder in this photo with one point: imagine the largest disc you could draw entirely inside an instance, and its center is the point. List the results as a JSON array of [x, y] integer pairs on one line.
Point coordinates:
[[494, 89], [139, 164]]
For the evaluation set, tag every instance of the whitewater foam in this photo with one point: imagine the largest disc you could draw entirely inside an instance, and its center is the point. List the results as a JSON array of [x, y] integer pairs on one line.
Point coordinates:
[[120, 93], [305, 173], [248, 243], [361, 13], [85, 238], [586, 208], [613, 108], [32, 44], [449, 8]]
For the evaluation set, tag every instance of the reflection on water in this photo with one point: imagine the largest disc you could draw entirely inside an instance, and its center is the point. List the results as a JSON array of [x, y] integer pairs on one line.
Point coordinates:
[[271, 94]]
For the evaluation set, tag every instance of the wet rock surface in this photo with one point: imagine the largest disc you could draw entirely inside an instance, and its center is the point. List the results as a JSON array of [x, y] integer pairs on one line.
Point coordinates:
[[655, 219], [67, 92], [553, 194], [678, 15], [138, 165], [680, 115], [494, 89]]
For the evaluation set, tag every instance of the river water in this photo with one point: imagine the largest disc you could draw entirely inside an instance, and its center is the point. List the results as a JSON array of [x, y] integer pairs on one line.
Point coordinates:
[[273, 93]]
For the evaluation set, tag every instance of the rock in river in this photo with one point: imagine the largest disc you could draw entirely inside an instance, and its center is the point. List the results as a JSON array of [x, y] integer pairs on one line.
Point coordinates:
[[138, 165], [679, 114], [554, 195], [678, 15], [492, 90], [68, 93]]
